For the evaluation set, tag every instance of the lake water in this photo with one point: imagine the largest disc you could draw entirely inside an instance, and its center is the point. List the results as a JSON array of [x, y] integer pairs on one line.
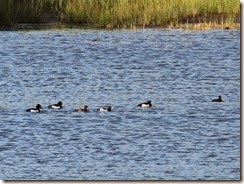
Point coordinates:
[[184, 136]]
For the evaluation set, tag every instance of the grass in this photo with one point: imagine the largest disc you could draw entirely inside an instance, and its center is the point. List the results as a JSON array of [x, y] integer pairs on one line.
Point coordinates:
[[122, 13]]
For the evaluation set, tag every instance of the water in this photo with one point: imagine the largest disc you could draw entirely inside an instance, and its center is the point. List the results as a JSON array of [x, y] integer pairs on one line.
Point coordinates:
[[184, 136]]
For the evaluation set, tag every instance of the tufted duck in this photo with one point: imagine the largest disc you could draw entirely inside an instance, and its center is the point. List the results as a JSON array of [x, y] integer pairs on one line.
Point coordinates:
[[82, 110], [37, 109], [218, 99], [106, 108], [145, 104], [56, 106]]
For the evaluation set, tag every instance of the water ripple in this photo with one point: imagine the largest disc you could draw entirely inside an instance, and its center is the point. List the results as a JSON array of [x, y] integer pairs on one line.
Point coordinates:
[[182, 137]]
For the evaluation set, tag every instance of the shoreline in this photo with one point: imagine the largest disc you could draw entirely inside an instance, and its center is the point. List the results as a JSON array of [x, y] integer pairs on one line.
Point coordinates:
[[200, 22], [61, 25], [126, 14]]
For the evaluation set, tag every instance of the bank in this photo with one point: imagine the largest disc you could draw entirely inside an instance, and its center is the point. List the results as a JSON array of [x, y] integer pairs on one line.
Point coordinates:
[[119, 14]]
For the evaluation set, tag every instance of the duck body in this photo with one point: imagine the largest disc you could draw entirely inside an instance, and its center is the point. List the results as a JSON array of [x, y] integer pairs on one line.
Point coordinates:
[[59, 105], [37, 109], [145, 104], [218, 99], [85, 109], [106, 108]]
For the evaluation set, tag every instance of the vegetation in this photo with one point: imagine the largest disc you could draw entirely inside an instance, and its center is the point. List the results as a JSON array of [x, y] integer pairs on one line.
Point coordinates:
[[121, 13]]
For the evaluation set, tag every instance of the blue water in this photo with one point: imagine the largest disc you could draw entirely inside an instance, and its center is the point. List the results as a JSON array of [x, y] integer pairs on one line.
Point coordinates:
[[184, 136]]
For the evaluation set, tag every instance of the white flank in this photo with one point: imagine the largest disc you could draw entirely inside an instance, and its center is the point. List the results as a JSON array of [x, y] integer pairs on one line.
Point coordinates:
[[145, 105], [55, 107], [33, 110]]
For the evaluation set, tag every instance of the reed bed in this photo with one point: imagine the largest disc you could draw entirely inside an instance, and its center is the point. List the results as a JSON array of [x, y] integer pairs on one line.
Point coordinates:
[[121, 13]]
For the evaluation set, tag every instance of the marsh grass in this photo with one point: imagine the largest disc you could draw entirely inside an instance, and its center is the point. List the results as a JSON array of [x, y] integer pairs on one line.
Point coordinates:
[[5, 12], [27, 11], [121, 13]]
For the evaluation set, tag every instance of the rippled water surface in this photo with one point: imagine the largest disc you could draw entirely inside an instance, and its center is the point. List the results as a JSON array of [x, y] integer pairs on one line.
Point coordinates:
[[184, 136]]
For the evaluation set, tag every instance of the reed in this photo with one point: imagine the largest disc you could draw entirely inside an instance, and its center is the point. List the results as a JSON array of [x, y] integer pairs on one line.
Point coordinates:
[[5, 12], [129, 13], [121, 13], [27, 11]]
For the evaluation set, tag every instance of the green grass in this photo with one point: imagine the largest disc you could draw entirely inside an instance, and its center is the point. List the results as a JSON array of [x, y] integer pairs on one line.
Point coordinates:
[[121, 13]]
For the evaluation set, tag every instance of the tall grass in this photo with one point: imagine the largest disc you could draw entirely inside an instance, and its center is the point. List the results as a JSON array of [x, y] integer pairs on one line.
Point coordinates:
[[12, 11], [121, 13], [27, 11], [5, 11], [127, 13]]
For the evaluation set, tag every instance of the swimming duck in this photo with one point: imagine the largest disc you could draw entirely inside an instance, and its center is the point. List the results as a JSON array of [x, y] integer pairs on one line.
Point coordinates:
[[56, 106], [82, 110], [37, 109], [146, 104], [106, 108], [218, 99]]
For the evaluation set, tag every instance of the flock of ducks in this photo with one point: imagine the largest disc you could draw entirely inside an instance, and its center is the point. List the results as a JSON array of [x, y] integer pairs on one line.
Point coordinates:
[[59, 105]]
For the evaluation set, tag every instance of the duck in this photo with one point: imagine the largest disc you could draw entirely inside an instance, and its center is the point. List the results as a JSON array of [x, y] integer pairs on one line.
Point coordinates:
[[218, 99], [82, 110], [37, 109], [146, 104], [105, 108], [56, 106]]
